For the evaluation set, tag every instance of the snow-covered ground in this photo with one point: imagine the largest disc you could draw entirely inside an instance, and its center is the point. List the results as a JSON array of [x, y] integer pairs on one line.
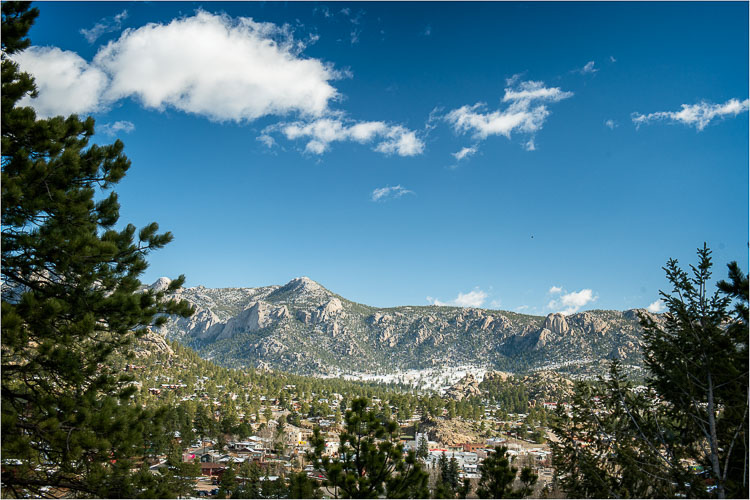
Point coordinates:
[[557, 366], [436, 379]]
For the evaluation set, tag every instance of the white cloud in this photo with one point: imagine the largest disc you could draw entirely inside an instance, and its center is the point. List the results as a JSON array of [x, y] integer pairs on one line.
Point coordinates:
[[531, 90], [384, 193], [401, 141], [697, 115], [475, 298], [555, 289], [571, 302], [656, 306], [210, 65], [390, 139], [530, 146], [267, 140], [612, 59], [465, 153], [66, 82], [217, 67], [588, 68], [514, 79], [105, 25], [118, 126], [611, 124], [525, 114]]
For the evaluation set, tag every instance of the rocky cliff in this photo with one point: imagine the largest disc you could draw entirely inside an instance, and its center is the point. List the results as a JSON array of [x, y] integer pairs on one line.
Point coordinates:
[[305, 328]]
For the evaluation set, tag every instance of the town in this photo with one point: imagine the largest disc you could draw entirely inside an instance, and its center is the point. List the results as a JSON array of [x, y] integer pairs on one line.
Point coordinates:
[[237, 419]]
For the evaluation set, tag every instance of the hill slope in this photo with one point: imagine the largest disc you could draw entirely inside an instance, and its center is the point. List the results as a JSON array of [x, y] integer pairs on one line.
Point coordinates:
[[304, 328]]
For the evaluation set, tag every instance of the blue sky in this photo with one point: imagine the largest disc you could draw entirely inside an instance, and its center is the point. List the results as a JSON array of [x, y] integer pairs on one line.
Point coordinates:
[[534, 157]]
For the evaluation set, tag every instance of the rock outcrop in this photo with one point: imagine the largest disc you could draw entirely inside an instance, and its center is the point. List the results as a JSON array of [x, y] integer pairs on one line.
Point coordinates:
[[304, 328], [465, 388]]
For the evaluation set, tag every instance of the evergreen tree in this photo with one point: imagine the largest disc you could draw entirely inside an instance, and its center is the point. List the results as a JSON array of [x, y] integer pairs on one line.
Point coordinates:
[[528, 479], [300, 486], [371, 460], [623, 442], [423, 450], [453, 478], [70, 293], [249, 480], [698, 363], [180, 475], [497, 475], [228, 484]]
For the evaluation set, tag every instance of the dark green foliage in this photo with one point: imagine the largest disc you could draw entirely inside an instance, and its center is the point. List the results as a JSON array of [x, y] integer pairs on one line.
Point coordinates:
[[422, 450], [371, 462], [601, 452], [497, 475], [228, 484], [274, 489], [300, 486], [528, 479], [248, 478], [699, 364], [70, 295], [623, 442]]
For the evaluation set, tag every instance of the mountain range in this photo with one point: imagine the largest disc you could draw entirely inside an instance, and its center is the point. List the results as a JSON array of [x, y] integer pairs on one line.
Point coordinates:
[[302, 327]]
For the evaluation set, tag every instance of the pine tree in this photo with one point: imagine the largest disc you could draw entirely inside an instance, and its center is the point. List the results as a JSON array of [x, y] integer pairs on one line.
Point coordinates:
[[698, 363], [228, 483], [423, 450], [497, 475], [371, 460], [453, 474], [70, 293], [300, 486], [528, 479], [623, 442]]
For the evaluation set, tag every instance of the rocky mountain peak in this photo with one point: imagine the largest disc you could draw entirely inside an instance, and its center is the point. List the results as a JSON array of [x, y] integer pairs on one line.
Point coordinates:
[[304, 283], [302, 289], [556, 323], [161, 284]]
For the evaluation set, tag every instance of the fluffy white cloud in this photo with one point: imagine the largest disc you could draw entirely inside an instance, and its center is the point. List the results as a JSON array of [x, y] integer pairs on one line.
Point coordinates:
[[106, 25], [697, 115], [611, 124], [555, 289], [389, 139], [571, 302], [401, 141], [526, 112], [465, 153], [66, 82], [218, 67], [384, 193], [118, 126], [210, 65], [656, 307], [475, 298]]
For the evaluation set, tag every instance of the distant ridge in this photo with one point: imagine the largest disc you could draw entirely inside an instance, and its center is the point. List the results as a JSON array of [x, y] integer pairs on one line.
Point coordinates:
[[304, 328]]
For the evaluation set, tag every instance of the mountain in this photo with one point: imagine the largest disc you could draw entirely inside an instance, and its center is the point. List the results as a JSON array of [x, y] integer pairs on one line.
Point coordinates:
[[304, 328]]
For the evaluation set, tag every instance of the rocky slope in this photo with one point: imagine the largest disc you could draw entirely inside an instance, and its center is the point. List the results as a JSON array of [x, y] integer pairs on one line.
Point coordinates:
[[304, 328]]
